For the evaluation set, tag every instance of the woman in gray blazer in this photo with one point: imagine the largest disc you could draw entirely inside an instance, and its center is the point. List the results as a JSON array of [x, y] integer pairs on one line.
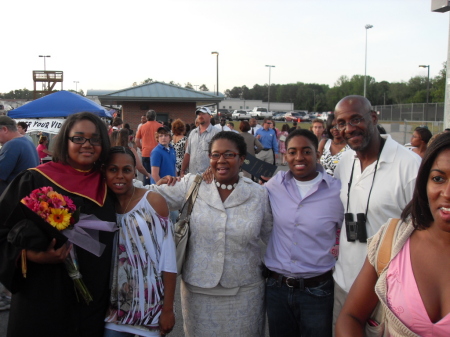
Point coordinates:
[[222, 289]]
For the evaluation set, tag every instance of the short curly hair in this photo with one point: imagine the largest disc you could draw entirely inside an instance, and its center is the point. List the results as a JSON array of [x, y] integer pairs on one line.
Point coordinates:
[[234, 137], [178, 127]]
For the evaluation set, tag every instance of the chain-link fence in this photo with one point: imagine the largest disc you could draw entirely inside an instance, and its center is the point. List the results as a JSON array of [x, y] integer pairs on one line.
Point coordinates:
[[413, 112], [402, 131]]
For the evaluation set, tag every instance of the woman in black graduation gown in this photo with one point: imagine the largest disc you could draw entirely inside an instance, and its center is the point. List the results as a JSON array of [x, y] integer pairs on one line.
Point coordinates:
[[45, 302]]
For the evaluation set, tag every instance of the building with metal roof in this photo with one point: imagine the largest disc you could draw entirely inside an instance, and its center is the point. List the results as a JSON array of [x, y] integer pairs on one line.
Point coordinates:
[[169, 101]]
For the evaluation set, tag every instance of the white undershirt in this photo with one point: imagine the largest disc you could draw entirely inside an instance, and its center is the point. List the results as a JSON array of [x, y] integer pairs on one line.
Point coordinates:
[[305, 186]]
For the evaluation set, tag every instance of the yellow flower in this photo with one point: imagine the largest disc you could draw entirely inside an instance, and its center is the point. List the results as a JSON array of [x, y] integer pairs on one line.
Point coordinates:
[[56, 195], [59, 218]]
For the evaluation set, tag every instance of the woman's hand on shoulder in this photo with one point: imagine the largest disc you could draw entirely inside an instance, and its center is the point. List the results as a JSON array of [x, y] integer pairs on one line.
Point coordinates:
[[51, 255], [208, 175], [169, 180], [158, 203]]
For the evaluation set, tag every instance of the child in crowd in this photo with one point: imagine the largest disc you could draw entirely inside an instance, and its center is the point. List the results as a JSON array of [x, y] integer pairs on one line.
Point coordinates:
[[163, 160]]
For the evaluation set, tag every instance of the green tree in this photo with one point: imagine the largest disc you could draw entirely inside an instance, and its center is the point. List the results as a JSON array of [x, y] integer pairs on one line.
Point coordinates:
[[437, 91], [203, 87], [188, 85], [19, 94]]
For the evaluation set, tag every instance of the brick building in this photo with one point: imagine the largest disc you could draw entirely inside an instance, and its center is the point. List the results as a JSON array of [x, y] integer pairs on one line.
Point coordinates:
[[169, 101]]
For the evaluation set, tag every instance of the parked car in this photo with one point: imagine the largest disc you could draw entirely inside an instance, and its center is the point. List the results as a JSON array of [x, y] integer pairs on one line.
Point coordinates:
[[260, 113], [240, 115], [223, 113], [278, 116], [299, 116], [324, 115]]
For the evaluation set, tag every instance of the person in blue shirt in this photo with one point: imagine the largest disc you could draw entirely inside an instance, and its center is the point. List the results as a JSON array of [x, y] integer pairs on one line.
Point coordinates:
[[163, 159], [17, 153], [268, 138]]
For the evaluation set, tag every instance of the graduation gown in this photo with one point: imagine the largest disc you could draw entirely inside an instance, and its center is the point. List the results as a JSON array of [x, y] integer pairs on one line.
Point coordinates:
[[45, 302]]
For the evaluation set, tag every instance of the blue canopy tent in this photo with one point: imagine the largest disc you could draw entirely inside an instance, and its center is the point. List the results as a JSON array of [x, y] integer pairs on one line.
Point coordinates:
[[47, 114], [59, 104]]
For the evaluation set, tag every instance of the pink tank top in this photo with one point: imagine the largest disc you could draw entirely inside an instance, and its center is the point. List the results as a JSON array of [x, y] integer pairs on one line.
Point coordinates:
[[404, 299]]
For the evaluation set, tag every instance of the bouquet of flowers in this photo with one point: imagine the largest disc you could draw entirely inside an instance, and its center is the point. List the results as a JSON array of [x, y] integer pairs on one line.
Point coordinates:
[[61, 213]]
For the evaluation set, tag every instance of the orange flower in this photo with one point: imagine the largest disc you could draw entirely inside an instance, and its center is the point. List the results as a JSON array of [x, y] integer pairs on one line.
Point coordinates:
[[59, 218], [56, 195], [43, 206]]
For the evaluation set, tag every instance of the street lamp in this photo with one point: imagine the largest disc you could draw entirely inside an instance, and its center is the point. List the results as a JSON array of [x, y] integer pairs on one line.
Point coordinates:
[[268, 96], [217, 76], [428, 89], [44, 56], [76, 85], [365, 66]]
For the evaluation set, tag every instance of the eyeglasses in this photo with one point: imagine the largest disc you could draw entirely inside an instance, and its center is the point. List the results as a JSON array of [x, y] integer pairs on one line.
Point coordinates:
[[353, 122], [227, 155], [95, 141], [269, 123]]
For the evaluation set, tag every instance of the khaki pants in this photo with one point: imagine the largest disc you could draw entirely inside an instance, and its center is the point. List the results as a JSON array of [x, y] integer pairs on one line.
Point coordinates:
[[340, 295], [266, 156]]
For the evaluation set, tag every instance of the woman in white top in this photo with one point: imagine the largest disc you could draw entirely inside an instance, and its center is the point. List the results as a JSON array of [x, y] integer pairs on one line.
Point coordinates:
[[331, 149], [144, 266]]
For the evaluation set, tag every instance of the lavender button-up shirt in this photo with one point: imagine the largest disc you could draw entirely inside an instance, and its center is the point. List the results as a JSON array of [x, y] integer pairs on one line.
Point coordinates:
[[304, 230]]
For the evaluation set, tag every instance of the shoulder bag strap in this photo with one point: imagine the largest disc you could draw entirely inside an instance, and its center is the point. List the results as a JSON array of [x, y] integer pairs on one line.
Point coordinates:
[[386, 244], [193, 194]]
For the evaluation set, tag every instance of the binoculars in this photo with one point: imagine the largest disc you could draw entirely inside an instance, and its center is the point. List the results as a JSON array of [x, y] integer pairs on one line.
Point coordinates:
[[356, 230]]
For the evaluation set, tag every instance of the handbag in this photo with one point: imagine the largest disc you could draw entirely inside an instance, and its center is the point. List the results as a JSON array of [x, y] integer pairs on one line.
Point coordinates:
[[181, 228], [383, 257]]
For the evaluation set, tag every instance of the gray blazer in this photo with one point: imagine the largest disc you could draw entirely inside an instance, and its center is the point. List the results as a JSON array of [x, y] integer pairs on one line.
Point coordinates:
[[224, 243]]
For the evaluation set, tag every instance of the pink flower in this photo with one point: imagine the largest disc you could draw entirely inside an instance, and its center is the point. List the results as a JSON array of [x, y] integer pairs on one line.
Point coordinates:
[[46, 189], [122, 248], [70, 204], [56, 202]]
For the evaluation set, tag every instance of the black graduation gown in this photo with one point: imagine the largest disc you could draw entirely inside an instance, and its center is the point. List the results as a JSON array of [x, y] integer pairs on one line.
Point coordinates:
[[45, 303]]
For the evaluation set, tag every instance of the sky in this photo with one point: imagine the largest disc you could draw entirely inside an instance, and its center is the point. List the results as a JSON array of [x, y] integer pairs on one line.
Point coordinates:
[[111, 44]]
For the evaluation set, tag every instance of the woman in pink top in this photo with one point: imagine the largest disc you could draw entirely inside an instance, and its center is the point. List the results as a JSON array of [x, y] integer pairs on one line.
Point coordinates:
[[414, 290], [42, 148]]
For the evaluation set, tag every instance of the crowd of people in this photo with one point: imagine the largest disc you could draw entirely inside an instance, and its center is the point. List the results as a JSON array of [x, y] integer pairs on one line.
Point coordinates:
[[300, 248]]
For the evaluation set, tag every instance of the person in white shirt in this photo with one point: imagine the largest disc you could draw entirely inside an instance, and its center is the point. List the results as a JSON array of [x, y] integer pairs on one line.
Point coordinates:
[[254, 126], [231, 126], [378, 179], [222, 126]]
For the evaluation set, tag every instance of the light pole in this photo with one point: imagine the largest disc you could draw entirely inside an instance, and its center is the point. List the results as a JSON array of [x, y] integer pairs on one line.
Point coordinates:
[[365, 66], [428, 90], [314, 105], [44, 56], [76, 85], [217, 77], [268, 95]]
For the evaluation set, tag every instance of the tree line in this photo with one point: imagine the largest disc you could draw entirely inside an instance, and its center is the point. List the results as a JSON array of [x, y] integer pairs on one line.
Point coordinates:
[[319, 97]]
